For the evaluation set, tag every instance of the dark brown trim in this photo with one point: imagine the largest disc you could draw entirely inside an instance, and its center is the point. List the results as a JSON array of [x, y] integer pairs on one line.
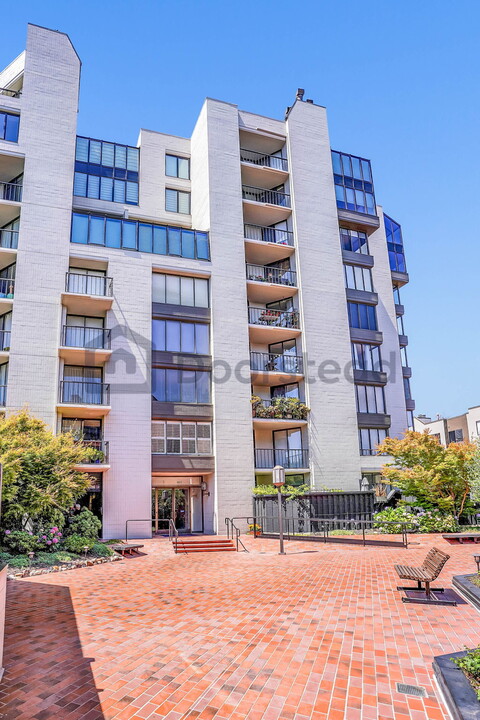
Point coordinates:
[[355, 258], [373, 420], [183, 463], [370, 377], [374, 337], [181, 411], [363, 296], [180, 312], [185, 360]]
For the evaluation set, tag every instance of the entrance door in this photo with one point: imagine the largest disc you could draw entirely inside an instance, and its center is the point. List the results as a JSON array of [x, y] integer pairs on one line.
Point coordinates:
[[171, 504]]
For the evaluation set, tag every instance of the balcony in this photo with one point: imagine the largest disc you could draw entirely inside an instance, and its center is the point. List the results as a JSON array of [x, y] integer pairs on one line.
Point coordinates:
[[257, 167], [10, 93], [84, 398], [8, 239], [279, 413], [85, 294], [273, 369], [7, 289], [266, 459], [267, 325], [99, 459], [269, 284], [264, 206], [274, 162], [267, 244], [4, 343], [11, 192], [85, 345]]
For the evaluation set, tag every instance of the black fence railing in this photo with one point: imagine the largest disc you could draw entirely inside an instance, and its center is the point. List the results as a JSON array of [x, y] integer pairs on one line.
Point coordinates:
[[266, 274], [101, 455], [268, 234], [11, 191], [272, 197], [89, 284], [271, 161], [289, 459], [84, 392], [90, 338], [271, 362], [279, 408], [9, 239], [274, 318]]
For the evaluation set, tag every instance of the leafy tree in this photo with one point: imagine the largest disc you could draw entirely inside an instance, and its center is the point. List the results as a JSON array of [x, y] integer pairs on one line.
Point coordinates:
[[39, 480], [437, 476], [475, 472]]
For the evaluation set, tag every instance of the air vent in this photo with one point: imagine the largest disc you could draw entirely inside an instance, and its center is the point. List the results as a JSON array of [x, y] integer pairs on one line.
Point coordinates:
[[415, 690]]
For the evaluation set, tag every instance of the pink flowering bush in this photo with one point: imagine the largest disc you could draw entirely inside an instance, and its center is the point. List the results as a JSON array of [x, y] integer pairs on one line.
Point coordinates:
[[49, 539]]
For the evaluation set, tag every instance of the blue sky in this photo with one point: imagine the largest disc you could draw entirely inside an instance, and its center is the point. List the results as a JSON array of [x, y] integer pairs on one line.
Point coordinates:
[[400, 81]]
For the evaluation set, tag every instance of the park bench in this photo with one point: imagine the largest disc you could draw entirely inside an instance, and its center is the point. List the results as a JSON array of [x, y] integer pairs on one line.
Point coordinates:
[[462, 537], [425, 575], [123, 548]]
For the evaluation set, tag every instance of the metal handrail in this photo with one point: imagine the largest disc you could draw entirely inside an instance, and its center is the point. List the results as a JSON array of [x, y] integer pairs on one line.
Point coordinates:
[[134, 520], [173, 534], [263, 195], [90, 338], [268, 234], [11, 191], [271, 161], [84, 392], [9, 239], [100, 285], [274, 318], [267, 458], [10, 93], [325, 527], [274, 275], [275, 362], [234, 532]]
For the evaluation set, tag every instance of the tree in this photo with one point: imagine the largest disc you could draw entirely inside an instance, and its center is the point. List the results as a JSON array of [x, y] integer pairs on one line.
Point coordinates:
[[39, 480], [475, 472], [437, 476]]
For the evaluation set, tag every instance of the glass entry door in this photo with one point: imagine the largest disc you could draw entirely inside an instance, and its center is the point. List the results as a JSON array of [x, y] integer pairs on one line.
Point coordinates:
[[171, 504]]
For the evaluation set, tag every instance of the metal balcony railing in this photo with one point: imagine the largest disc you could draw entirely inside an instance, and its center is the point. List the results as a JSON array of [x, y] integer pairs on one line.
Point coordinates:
[[289, 459], [101, 446], [90, 338], [268, 234], [84, 392], [89, 284], [3, 395], [257, 158], [11, 191], [10, 93], [5, 340], [261, 195], [272, 362], [9, 239], [7, 287], [266, 274], [273, 318]]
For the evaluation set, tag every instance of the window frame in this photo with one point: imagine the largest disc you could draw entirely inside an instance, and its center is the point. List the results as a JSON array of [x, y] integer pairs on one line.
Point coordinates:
[[177, 201], [177, 158], [158, 425]]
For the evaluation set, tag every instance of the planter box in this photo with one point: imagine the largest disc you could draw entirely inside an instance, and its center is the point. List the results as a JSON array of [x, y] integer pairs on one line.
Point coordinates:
[[460, 697], [471, 591]]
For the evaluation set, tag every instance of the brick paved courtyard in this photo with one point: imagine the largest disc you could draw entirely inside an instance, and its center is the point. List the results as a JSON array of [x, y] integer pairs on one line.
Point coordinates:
[[317, 634]]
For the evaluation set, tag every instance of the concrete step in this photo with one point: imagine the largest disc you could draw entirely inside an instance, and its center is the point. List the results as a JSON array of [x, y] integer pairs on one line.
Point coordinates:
[[205, 545]]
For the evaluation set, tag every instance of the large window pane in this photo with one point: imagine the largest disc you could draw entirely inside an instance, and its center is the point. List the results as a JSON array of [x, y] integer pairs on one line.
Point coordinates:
[[203, 249], [171, 165], [97, 229], [203, 387], [202, 339], [173, 390], [173, 336], [158, 288], [172, 289], [80, 184], [160, 240], [184, 203], [184, 168], [174, 241], [187, 291], [113, 233], [188, 243], [79, 228], [188, 387], [171, 200], [158, 335], [129, 239], [201, 293], [188, 337], [93, 187], [145, 238]]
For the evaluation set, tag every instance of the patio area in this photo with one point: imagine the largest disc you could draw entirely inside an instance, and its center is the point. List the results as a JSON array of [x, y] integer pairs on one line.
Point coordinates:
[[318, 634]]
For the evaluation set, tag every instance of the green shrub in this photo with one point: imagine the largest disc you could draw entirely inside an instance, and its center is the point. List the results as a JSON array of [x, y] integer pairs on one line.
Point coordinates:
[[101, 550], [470, 664], [20, 541], [425, 521], [85, 524], [20, 561], [5, 557], [77, 543], [63, 557]]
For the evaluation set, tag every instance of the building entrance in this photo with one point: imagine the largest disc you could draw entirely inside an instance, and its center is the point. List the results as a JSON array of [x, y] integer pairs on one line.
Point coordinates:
[[182, 504]]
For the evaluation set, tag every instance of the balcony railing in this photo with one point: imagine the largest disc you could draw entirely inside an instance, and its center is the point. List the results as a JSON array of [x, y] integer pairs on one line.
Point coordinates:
[[289, 459], [272, 197], [5, 340], [7, 287], [3, 395], [273, 318], [10, 93], [101, 455], [84, 392], [279, 408], [272, 362], [277, 276], [270, 161], [90, 338], [11, 191], [9, 239], [89, 284], [268, 234]]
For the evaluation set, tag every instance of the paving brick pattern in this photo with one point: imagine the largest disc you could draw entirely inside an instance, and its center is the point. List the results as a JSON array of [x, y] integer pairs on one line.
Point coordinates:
[[320, 633]]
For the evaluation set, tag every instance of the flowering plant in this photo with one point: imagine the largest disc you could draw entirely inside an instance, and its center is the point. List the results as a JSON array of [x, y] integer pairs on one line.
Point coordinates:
[[49, 539]]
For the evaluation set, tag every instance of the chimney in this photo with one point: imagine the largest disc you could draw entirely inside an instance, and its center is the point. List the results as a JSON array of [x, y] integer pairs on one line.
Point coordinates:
[[300, 94]]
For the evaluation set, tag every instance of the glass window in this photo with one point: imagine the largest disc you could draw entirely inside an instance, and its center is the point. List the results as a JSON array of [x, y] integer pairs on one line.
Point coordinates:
[[180, 290], [186, 438], [173, 336], [354, 241], [358, 278], [370, 399], [158, 335], [369, 439], [362, 316], [201, 293], [9, 125], [396, 254], [202, 339], [106, 171], [203, 387], [187, 340], [172, 293], [177, 166], [80, 228], [353, 183], [177, 201], [187, 291]]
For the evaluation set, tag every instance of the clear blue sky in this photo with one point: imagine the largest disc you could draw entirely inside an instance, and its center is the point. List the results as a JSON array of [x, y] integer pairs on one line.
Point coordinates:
[[401, 84]]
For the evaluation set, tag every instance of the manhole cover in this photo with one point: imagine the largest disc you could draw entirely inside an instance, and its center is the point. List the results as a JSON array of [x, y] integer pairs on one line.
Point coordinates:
[[411, 690]]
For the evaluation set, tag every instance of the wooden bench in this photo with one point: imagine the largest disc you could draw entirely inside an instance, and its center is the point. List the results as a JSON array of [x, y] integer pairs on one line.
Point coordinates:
[[129, 548], [461, 537], [425, 575]]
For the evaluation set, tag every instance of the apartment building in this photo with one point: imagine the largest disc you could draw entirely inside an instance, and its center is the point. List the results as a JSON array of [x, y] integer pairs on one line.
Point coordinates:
[[198, 309], [459, 428]]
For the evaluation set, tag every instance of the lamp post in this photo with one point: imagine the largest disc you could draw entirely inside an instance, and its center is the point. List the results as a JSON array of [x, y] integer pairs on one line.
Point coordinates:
[[476, 557], [279, 482]]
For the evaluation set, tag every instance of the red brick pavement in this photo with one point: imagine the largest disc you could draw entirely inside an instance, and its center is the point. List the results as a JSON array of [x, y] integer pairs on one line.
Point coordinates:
[[320, 633]]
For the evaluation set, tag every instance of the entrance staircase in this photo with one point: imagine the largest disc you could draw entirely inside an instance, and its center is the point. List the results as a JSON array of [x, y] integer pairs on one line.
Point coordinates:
[[187, 545]]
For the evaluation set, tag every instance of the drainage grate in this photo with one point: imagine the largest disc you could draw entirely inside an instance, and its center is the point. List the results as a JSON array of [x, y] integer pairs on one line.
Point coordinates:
[[411, 690]]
